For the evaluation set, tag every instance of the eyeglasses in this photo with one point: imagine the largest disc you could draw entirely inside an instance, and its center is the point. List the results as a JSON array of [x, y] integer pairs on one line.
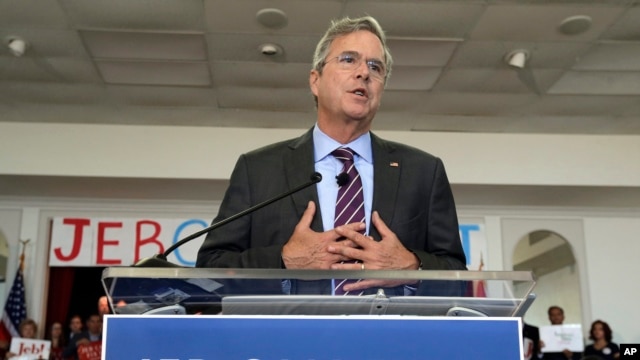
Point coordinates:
[[350, 61]]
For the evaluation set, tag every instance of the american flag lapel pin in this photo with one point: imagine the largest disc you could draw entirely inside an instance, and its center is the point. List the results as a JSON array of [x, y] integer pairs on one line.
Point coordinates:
[[393, 164]]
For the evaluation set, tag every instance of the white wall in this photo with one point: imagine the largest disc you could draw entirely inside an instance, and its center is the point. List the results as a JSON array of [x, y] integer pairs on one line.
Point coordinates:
[[210, 153], [613, 248]]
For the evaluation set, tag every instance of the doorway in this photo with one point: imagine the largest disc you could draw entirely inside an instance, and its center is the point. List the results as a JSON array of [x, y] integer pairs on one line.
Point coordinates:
[[553, 249]]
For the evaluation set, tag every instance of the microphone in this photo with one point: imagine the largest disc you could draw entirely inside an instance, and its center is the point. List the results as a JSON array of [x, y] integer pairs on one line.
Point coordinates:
[[342, 179], [160, 260]]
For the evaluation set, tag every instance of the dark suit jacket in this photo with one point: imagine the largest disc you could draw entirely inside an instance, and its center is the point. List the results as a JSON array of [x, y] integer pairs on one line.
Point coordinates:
[[411, 193], [533, 333]]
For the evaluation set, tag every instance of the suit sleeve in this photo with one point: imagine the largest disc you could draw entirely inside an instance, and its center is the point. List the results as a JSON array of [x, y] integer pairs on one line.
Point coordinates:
[[233, 244], [443, 249]]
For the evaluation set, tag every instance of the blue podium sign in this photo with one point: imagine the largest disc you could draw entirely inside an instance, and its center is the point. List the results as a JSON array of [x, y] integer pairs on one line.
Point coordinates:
[[160, 337]]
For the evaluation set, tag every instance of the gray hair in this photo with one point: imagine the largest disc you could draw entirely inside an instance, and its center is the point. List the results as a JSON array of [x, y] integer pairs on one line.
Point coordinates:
[[347, 26]]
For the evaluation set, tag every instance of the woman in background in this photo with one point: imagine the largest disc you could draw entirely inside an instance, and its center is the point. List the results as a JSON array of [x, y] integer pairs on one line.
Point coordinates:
[[602, 346], [28, 329], [58, 341]]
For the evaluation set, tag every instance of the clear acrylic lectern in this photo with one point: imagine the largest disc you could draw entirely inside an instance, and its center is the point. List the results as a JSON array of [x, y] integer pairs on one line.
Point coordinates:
[[134, 290]]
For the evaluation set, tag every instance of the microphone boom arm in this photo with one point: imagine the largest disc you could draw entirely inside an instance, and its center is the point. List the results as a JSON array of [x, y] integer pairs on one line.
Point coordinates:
[[315, 178]]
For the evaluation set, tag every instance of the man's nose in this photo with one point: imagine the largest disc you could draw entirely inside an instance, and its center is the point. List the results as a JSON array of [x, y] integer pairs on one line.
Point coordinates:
[[362, 70]]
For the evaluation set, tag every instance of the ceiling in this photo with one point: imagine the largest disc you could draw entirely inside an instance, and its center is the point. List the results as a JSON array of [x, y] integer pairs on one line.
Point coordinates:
[[199, 63]]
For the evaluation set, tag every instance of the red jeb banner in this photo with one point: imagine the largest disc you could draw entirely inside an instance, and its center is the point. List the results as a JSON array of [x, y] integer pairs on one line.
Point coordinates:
[[86, 241], [79, 241], [91, 351]]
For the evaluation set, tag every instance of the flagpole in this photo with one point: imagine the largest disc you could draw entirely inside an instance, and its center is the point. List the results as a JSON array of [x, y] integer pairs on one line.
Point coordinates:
[[24, 246]]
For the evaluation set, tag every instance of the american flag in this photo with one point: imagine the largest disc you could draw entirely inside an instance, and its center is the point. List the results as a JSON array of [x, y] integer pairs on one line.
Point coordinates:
[[15, 309]]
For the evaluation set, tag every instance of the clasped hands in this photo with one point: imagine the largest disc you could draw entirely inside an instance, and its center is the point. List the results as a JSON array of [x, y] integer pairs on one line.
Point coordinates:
[[308, 249]]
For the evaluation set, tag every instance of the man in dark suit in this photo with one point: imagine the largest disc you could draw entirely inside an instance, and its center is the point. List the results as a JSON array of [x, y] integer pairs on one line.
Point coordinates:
[[531, 341], [410, 217]]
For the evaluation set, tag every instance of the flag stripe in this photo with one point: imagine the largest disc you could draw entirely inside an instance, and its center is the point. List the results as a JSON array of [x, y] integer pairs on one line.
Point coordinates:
[[15, 309]]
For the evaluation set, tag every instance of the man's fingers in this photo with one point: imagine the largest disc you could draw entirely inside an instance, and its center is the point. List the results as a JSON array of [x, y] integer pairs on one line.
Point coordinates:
[[377, 221], [307, 216], [350, 231]]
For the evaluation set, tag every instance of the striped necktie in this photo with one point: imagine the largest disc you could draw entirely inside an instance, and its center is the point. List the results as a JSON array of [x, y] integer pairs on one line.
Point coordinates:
[[350, 201]]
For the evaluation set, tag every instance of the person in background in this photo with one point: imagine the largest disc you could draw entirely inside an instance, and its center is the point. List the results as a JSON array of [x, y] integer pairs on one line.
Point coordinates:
[[75, 326], [405, 218], [103, 306], [92, 334], [602, 346], [58, 341], [556, 317], [531, 342], [28, 329]]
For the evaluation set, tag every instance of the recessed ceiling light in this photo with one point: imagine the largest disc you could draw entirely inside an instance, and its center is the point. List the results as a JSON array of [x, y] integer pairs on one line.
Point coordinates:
[[270, 49], [574, 25], [517, 58], [272, 18], [17, 46]]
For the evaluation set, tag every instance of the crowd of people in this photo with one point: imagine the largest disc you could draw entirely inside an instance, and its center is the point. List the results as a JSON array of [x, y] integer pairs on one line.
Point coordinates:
[[65, 345], [601, 348]]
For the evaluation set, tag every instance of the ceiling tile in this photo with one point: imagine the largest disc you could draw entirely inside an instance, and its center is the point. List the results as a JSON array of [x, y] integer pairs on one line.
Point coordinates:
[[503, 80], [404, 101], [409, 52], [481, 104], [47, 42], [251, 74], [136, 15], [624, 56], [626, 28], [144, 45], [47, 69], [590, 82], [155, 73], [539, 22], [413, 78], [265, 99], [447, 19], [239, 16], [32, 14], [51, 93], [492, 54], [241, 47]]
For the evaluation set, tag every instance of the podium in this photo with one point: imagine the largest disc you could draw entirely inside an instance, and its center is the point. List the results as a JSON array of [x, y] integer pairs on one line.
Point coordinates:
[[195, 313]]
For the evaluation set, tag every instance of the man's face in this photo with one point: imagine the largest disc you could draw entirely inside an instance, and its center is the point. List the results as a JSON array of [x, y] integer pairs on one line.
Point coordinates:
[[103, 305], [75, 325], [556, 317], [349, 94], [94, 324]]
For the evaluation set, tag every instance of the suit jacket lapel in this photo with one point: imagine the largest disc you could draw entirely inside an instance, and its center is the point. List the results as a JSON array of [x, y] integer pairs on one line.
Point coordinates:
[[386, 179], [298, 166]]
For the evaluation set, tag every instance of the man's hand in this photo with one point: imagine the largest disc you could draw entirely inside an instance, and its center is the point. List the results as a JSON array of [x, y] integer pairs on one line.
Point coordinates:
[[386, 254], [307, 249]]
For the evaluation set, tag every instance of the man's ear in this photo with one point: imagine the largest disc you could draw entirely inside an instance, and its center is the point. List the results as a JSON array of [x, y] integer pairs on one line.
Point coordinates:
[[314, 76]]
